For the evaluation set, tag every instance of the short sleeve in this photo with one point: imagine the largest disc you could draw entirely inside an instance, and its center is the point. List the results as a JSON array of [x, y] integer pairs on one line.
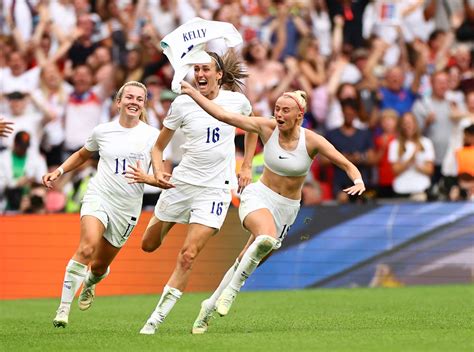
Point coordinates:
[[246, 107], [91, 143], [175, 117]]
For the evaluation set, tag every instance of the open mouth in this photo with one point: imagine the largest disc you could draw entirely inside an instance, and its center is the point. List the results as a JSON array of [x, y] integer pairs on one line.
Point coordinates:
[[202, 83], [133, 109]]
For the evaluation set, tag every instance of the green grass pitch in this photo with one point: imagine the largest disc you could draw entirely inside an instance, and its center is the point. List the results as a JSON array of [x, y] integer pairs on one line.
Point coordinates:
[[424, 318]]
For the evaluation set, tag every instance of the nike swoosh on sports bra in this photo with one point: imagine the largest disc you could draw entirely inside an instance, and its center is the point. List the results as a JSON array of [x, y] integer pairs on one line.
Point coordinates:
[[283, 162]]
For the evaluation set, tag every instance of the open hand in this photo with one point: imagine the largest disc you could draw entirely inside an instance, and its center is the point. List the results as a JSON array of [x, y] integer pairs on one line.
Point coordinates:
[[135, 174], [355, 190]]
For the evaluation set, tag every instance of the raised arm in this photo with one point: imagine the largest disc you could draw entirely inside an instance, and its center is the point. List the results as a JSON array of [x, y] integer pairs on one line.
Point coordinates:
[[254, 124]]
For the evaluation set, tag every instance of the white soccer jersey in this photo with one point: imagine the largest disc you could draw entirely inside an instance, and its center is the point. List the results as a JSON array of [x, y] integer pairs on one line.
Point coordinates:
[[119, 147], [209, 151]]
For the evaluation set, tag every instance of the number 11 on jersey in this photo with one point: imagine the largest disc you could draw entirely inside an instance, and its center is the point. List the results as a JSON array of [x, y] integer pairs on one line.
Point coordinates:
[[119, 163]]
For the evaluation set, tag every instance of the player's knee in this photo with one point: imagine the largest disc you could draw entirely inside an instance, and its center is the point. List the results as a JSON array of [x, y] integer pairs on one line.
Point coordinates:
[[86, 252], [265, 245], [187, 257], [148, 246]]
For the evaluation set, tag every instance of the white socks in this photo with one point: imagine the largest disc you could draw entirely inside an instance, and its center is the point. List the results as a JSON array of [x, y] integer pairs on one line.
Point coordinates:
[[91, 279], [168, 299], [262, 245], [211, 302], [73, 278]]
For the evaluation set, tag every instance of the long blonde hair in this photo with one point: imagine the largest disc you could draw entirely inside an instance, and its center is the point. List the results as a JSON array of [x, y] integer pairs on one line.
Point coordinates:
[[143, 115]]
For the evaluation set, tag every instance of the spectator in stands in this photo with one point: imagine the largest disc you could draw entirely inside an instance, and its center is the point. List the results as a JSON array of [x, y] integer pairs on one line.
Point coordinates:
[[463, 60], [51, 98], [352, 12], [284, 31], [20, 168], [385, 277], [412, 158], [460, 119], [25, 119], [311, 63], [388, 123], [355, 144], [35, 201], [434, 114], [84, 43], [465, 161], [84, 108], [393, 95], [265, 76], [321, 25], [17, 77]]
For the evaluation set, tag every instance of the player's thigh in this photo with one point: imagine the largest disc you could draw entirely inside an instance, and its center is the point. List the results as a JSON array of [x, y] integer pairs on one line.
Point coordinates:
[[104, 256], [197, 237], [260, 222], [92, 230], [156, 230]]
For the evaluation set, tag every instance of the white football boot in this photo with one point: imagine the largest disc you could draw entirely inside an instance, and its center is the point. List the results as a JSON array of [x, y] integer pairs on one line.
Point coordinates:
[[202, 321], [225, 300], [86, 297], [62, 317]]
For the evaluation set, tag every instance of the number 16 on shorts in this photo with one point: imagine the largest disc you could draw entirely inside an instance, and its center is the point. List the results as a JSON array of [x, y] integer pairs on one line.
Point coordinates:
[[217, 208]]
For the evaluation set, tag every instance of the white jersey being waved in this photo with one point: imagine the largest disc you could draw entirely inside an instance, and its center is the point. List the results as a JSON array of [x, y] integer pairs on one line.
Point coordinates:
[[209, 151], [119, 147]]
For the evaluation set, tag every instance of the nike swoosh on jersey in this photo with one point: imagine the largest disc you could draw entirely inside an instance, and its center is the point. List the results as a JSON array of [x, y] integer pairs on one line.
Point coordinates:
[[282, 157]]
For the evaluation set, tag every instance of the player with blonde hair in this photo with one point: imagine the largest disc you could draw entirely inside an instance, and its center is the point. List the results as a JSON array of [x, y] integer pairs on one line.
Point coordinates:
[[269, 207], [111, 207]]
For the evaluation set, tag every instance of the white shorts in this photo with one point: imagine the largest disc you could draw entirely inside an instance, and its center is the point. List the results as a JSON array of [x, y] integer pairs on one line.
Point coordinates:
[[118, 224], [186, 204], [284, 210]]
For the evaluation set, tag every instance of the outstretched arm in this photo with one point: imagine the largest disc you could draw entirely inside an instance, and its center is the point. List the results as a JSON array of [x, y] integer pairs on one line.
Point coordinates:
[[253, 124], [321, 144], [74, 161]]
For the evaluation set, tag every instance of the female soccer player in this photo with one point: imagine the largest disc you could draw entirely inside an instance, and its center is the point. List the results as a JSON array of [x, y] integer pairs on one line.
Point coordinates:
[[198, 192], [269, 207], [111, 206]]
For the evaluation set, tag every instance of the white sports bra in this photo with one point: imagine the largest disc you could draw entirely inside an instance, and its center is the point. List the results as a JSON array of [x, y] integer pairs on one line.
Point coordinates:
[[286, 162]]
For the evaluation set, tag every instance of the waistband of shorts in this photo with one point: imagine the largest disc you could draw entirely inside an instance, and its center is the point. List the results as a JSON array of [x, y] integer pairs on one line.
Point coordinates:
[[277, 197]]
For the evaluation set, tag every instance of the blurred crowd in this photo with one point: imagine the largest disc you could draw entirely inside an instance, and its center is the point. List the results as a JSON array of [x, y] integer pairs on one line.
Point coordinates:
[[390, 83]]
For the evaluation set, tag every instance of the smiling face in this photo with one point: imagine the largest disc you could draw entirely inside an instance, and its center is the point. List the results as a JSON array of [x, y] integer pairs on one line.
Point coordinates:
[[207, 79], [408, 125], [132, 102], [287, 113]]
